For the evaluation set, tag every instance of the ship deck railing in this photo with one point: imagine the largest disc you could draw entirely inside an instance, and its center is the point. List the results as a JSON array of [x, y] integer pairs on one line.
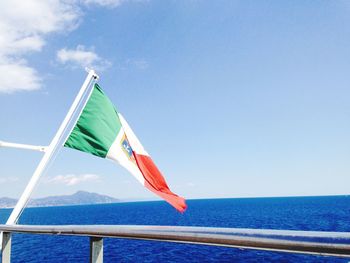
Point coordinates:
[[293, 241]]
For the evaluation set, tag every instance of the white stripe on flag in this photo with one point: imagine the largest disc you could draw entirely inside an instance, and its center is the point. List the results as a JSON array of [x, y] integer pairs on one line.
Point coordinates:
[[135, 143], [118, 154]]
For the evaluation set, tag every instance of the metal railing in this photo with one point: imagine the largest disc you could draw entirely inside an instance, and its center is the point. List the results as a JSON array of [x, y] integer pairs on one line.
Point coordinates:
[[308, 242]]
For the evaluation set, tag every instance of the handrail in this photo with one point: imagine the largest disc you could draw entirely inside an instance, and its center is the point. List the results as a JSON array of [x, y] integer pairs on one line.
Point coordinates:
[[308, 242]]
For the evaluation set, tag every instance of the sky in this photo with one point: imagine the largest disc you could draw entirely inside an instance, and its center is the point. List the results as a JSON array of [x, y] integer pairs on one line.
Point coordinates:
[[230, 98]]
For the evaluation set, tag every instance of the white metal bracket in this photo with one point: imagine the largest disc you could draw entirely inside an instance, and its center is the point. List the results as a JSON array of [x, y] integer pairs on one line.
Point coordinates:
[[23, 146]]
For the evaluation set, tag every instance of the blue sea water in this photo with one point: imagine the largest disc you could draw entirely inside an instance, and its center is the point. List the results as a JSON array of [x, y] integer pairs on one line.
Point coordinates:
[[331, 213]]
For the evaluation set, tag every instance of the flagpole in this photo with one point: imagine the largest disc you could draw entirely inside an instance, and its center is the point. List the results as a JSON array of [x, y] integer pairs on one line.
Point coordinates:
[[50, 151]]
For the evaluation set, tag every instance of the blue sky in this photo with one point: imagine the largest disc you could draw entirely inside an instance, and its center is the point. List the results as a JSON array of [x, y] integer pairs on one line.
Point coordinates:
[[230, 98]]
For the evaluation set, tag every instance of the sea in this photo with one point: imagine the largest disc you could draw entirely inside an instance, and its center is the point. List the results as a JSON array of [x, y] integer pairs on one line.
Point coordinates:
[[327, 213]]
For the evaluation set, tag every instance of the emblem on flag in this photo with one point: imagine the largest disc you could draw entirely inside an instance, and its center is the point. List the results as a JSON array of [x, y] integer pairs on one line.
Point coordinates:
[[124, 143]]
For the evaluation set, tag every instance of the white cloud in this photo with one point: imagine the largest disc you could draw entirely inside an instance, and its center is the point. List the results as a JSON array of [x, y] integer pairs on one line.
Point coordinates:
[[4, 180], [138, 63], [110, 3], [190, 184], [72, 179], [82, 57], [23, 28], [18, 76]]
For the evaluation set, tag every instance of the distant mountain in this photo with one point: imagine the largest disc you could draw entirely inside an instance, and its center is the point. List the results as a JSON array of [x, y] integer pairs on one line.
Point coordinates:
[[79, 198], [7, 202]]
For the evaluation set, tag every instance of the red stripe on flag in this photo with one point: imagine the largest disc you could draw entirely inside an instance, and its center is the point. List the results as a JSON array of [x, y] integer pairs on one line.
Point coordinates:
[[155, 182]]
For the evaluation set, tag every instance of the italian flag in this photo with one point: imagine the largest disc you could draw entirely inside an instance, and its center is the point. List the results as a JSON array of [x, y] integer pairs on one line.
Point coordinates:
[[102, 131]]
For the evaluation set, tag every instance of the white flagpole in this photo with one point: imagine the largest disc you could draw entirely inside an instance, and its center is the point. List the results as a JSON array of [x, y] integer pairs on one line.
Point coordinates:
[[50, 151], [22, 146]]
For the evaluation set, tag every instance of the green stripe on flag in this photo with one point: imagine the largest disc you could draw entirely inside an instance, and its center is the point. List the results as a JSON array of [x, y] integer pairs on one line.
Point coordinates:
[[97, 127]]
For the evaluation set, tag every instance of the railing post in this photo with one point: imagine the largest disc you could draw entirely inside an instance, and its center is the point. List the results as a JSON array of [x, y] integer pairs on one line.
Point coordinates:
[[96, 250], [6, 247]]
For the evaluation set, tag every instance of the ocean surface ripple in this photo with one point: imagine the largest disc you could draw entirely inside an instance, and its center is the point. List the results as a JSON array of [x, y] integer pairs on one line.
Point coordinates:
[[329, 213]]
